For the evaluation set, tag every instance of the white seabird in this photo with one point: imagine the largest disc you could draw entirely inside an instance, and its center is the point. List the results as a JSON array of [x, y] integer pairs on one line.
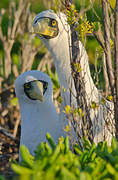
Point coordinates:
[[38, 115], [55, 32]]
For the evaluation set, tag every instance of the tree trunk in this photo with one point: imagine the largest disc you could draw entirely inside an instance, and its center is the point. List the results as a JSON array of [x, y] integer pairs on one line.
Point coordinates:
[[116, 69], [107, 89], [107, 49]]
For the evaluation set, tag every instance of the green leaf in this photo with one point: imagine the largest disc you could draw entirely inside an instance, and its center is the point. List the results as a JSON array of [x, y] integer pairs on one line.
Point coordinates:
[[112, 3], [14, 101], [85, 176], [2, 178], [26, 37], [51, 141], [66, 174], [77, 149], [114, 144], [21, 170], [66, 142], [86, 143], [26, 156], [15, 59], [37, 42], [111, 169]]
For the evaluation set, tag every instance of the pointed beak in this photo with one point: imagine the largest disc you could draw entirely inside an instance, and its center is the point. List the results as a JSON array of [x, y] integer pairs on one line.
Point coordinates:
[[34, 90], [42, 28], [37, 91]]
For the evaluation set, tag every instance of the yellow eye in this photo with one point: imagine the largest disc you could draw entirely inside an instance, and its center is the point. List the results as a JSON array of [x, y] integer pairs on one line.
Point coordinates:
[[27, 85], [45, 86], [53, 22]]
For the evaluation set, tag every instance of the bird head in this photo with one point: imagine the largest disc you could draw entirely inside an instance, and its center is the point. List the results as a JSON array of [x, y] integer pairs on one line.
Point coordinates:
[[36, 89], [49, 25], [34, 85]]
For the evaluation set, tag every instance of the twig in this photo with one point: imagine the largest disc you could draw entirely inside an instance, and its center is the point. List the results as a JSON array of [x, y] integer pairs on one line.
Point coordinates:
[[6, 133], [16, 127]]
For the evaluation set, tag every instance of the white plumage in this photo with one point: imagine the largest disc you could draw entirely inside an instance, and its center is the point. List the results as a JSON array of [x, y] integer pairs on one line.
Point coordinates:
[[58, 40], [38, 115]]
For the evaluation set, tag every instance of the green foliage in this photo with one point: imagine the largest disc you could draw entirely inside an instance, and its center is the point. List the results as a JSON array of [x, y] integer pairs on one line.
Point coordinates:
[[15, 59], [4, 4], [50, 161], [36, 41], [112, 3], [58, 162], [85, 27], [37, 6], [14, 101], [4, 24], [2, 178], [71, 15], [54, 77]]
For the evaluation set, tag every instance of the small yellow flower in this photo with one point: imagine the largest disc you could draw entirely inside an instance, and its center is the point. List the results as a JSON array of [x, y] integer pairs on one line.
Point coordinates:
[[79, 111], [77, 67], [67, 128], [72, 7], [82, 114], [75, 112], [94, 105], [109, 97], [81, 17], [67, 109], [59, 99], [64, 89], [102, 101]]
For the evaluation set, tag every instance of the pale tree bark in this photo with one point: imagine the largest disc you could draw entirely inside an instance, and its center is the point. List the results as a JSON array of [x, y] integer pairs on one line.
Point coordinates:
[[83, 125], [116, 68], [107, 47], [98, 128], [107, 88]]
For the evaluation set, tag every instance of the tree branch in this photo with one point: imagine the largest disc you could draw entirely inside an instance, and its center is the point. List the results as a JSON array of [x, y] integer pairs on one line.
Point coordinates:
[[116, 68], [108, 45]]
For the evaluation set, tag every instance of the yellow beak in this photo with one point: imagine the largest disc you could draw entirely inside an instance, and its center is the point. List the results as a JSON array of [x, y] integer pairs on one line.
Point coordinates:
[[43, 29], [36, 92]]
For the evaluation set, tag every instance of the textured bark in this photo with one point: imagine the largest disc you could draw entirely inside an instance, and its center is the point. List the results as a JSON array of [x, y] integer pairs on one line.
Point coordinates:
[[105, 77], [116, 69], [107, 44], [83, 124], [86, 123], [102, 127]]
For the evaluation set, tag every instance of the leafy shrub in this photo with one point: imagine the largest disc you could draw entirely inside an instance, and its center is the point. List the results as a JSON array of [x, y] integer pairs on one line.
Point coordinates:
[[54, 162], [58, 162]]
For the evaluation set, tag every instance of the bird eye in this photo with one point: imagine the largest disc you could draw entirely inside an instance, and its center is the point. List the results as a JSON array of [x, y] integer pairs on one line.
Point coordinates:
[[45, 85], [35, 21], [53, 22], [27, 85]]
